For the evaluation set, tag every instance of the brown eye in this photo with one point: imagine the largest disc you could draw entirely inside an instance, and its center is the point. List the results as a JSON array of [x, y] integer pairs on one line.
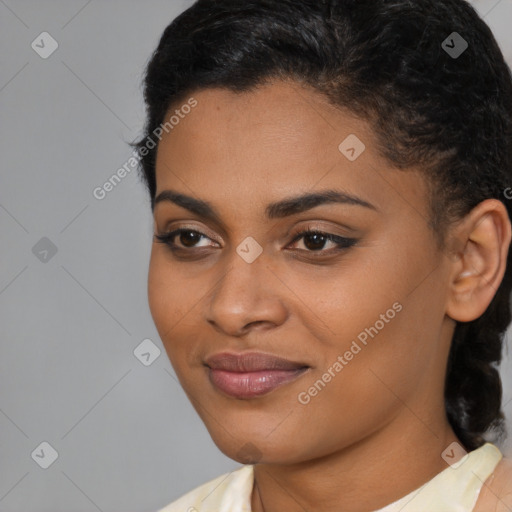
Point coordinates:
[[314, 241], [188, 239]]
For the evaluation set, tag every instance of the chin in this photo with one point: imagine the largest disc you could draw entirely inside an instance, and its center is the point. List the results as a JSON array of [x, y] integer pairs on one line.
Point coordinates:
[[254, 448]]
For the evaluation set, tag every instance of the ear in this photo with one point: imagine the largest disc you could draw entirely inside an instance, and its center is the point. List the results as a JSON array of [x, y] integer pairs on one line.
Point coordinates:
[[478, 267]]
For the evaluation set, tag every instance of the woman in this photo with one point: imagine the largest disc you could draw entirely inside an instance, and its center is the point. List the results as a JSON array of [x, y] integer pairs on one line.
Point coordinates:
[[330, 274]]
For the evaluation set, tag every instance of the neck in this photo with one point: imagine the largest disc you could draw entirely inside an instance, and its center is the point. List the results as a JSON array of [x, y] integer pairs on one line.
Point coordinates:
[[357, 478]]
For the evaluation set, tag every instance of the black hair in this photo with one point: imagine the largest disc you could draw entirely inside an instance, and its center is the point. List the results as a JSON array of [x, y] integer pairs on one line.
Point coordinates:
[[432, 103]]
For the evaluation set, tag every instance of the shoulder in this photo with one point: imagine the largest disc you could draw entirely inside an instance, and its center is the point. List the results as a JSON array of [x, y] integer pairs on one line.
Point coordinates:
[[234, 487], [496, 492]]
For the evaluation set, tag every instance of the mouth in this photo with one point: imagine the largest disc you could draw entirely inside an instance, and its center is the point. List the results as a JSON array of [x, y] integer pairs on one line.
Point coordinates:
[[253, 374]]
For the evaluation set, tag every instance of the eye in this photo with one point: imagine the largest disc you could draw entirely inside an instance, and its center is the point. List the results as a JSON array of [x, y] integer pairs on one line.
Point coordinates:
[[187, 237], [315, 241]]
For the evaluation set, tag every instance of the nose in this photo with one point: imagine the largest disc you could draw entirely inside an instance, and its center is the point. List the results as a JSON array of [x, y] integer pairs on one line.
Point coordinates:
[[248, 296]]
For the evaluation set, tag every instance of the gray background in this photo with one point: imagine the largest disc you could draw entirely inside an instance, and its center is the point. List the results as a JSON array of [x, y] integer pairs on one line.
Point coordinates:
[[126, 436]]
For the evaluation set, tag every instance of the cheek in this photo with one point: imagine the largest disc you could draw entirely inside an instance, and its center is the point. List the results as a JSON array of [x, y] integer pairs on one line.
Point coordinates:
[[378, 322], [384, 363], [174, 302], [362, 392], [348, 301], [167, 296], [159, 291]]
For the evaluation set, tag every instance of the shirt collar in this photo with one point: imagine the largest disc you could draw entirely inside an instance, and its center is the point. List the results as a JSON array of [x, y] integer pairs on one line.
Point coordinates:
[[454, 489]]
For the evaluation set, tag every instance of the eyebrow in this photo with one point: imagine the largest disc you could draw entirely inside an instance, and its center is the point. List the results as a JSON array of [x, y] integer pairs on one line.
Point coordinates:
[[280, 209]]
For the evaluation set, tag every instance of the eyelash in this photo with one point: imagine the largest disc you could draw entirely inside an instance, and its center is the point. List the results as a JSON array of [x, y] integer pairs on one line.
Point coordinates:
[[342, 243]]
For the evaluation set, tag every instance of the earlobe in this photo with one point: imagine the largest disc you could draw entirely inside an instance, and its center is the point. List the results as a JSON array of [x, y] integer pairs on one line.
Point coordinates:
[[478, 270]]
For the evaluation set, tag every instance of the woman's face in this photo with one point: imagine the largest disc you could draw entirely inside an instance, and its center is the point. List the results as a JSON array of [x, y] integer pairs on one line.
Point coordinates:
[[361, 319]]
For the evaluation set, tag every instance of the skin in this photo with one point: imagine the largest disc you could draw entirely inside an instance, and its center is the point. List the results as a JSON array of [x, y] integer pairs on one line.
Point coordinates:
[[381, 419]]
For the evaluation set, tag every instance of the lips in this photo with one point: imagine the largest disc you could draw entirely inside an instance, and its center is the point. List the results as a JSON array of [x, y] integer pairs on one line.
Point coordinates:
[[251, 374]]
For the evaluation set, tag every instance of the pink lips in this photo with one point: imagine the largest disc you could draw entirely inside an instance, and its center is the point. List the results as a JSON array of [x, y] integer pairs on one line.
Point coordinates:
[[251, 374]]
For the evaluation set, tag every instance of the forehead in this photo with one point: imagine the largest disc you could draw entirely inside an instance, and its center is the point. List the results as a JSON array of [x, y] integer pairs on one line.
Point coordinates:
[[276, 140], [278, 114]]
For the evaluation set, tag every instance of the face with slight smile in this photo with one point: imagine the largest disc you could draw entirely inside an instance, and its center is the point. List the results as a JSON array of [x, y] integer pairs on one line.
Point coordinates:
[[360, 315]]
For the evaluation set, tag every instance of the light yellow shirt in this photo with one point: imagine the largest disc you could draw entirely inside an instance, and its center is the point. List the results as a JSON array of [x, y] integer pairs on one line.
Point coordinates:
[[455, 489]]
